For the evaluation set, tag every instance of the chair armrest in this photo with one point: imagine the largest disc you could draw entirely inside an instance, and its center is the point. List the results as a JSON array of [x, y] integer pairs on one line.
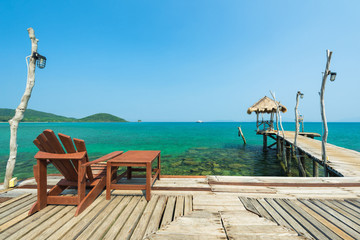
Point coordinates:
[[58, 156], [103, 158]]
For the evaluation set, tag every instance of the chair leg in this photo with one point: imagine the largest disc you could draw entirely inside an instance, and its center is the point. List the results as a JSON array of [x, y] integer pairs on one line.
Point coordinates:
[[91, 196], [34, 208]]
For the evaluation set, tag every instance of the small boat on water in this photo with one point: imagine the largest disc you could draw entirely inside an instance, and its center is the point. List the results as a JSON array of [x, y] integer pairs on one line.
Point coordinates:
[[199, 121]]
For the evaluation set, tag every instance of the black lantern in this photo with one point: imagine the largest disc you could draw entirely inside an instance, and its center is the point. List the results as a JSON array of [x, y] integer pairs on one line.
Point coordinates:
[[40, 60], [332, 76], [300, 94]]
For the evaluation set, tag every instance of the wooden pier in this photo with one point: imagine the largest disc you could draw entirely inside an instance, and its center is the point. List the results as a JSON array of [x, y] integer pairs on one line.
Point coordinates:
[[212, 207], [341, 161]]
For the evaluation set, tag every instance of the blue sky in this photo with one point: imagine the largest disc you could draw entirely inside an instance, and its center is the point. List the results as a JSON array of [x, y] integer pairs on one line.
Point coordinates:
[[182, 60]]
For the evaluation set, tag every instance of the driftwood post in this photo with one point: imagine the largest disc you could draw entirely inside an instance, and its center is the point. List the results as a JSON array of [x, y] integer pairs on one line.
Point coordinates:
[[323, 116], [300, 165], [20, 110], [241, 134]]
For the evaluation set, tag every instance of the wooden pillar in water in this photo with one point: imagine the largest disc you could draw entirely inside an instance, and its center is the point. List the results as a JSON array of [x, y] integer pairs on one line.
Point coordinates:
[[315, 169], [302, 166], [288, 157], [265, 142]]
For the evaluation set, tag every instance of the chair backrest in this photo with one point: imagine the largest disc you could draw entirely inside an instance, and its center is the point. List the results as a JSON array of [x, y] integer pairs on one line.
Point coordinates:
[[48, 142]]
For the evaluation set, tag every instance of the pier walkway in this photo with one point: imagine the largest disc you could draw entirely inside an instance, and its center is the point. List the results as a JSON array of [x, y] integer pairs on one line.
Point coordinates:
[[343, 162]]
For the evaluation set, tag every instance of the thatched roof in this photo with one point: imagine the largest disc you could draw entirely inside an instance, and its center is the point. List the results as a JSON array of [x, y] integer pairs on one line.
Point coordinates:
[[265, 105]]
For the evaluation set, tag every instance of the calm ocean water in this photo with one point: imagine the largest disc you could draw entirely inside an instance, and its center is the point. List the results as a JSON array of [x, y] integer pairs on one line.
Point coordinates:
[[187, 148]]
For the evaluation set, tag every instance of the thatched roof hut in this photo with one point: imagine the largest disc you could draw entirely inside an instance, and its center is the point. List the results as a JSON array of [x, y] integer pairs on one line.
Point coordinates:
[[265, 105]]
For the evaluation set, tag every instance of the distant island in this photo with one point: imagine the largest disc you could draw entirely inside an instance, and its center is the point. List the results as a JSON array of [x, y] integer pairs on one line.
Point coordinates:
[[37, 116]]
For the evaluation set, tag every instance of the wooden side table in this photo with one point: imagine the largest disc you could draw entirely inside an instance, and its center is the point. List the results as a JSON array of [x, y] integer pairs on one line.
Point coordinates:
[[132, 159]]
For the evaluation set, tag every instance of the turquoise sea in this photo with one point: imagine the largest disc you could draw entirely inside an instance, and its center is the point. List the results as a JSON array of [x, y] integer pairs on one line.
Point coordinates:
[[187, 148]]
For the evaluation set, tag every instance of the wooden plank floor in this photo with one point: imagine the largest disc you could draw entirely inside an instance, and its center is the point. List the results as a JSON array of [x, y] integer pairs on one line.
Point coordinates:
[[341, 160], [122, 217], [183, 208], [312, 218]]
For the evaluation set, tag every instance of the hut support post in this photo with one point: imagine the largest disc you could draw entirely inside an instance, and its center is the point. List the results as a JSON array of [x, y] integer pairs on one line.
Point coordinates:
[[323, 116], [257, 121]]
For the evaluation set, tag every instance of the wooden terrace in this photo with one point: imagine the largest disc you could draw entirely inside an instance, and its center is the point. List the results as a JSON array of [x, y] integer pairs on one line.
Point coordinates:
[[212, 207]]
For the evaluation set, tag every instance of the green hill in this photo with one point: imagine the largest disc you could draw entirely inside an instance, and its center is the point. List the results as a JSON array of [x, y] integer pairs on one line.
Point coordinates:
[[102, 117], [37, 116]]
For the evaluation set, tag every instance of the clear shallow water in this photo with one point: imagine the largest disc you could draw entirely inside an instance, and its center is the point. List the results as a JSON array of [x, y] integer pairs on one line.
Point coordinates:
[[187, 148]]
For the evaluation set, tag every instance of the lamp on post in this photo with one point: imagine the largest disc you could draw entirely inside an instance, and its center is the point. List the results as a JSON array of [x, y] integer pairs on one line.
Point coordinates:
[[332, 76], [40, 60]]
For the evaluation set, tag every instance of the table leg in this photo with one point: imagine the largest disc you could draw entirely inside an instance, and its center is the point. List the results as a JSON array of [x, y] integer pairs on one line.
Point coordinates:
[[129, 172], [148, 181], [159, 167], [108, 180]]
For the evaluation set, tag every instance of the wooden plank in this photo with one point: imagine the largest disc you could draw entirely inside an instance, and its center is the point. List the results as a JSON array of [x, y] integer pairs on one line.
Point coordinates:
[[9, 231], [81, 225], [278, 219], [13, 221], [351, 208], [342, 210], [322, 220], [156, 216], [187, 205], [96, 222], [338, 215], [35, 232], [59, 222], [15, 204], [289, 215], [331, 219], [129, 226], [69, 147], [261, 210], [33, 224], [97, 205], [169, 210], [179, 207], [16, 210], [159, 236], [139, 231], [248, 205], [107, 223], [353, 202], [15, 199], [120, 221], [304, 217]]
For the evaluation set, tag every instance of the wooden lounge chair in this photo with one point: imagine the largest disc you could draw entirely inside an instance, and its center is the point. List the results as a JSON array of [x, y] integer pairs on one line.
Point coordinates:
[[74, 165]]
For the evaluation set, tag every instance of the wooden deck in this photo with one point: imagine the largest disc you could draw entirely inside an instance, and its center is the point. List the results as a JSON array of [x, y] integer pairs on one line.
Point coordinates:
[[344, 162], [313, 218], [181, 208]]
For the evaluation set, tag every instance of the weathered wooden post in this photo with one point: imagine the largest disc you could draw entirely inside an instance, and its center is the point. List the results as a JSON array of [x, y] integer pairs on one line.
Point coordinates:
[[241, 134], [20, 110], [300, 165], [315, 169], [322, 103], [278, 117]]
